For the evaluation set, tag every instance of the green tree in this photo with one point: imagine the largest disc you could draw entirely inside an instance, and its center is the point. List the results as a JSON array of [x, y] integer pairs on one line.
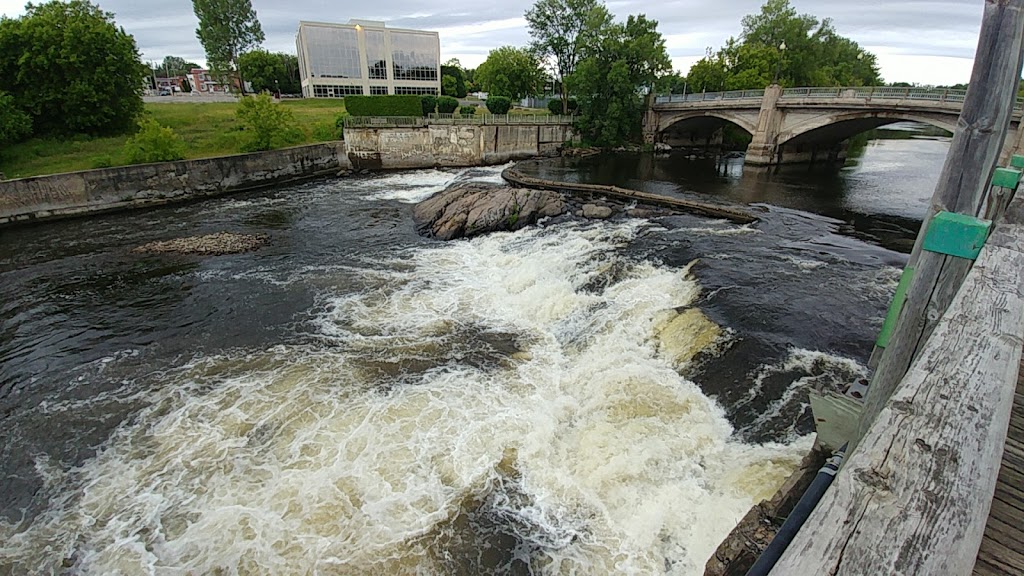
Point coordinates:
[[609, 84], [227, 28], [672, 83], [270, 72], [14, 124], [458, 85], [71, 69], [175, 66], [779, 45], [563, 31], [448, 85], [269, 124], [512, 72]]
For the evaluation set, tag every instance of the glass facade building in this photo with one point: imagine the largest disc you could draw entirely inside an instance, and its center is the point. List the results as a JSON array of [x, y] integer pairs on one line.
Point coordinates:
[[364, 57]]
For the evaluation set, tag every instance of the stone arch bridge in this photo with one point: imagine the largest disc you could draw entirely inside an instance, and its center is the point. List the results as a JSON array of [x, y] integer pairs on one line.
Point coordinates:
[[799, 125]]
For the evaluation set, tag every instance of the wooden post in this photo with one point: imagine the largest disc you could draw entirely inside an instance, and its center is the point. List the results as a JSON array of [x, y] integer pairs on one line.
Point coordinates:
[[961, 188]]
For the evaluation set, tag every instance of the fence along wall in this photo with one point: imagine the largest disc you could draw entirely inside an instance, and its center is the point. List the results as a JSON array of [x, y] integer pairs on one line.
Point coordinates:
[[451, 145], [91, 191]]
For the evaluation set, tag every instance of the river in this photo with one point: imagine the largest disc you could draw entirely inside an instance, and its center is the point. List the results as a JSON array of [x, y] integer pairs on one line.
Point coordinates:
[[355, 399]]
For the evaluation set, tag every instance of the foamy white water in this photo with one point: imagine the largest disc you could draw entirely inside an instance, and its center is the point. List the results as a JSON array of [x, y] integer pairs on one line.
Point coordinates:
[[517, 369], [415, 186]]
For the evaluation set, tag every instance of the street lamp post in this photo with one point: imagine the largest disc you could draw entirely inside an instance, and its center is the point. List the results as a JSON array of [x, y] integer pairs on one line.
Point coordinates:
[[778, 65]]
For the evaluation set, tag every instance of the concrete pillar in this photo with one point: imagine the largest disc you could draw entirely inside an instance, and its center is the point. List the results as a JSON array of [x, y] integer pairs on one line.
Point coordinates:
[[650, 127], [763, 149]]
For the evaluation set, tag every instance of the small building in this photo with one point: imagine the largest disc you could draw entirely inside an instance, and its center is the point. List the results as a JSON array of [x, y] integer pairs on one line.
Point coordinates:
[[365, 57], [171, 84], [202, 81]]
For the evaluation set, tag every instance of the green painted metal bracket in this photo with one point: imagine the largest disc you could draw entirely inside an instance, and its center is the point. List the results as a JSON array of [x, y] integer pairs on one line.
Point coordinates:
[[957, 235], [889, 326], [1006, 178], [1017, 161]]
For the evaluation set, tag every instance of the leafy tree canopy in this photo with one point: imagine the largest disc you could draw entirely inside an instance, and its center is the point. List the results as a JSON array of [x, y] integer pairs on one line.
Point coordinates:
[[564, 31], [270, 71], [778, 44], [71, 69], [227, 29], [512, 72], [609, 84], [175, 66], [457, 87]]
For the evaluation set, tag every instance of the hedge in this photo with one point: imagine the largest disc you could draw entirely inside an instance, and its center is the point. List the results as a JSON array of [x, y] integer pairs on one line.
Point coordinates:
[[467, 110], [499, 104], [428, 104], [392, 105], [447, 105]]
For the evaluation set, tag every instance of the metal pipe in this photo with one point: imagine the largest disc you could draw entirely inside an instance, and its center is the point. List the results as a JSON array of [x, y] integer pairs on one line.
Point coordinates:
[[799, 515]]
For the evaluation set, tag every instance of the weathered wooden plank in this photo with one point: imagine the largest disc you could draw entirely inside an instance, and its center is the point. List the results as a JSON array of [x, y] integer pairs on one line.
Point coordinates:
[[914, 497], [961, 188], [1004, 558]]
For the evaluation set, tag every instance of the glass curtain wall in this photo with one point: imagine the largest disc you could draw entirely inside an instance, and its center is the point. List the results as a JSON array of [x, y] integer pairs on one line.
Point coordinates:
[[333, 52], [415, 56]]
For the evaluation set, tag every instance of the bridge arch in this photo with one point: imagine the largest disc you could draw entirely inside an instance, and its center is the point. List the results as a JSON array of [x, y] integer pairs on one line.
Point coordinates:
[[744, 121], [834, 128]]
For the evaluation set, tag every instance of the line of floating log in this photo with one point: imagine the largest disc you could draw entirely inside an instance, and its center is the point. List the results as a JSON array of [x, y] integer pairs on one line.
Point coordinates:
[[517, 178]]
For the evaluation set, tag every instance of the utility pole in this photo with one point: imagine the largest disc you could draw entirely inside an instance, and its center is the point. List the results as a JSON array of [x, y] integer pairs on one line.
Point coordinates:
[[932, 279]]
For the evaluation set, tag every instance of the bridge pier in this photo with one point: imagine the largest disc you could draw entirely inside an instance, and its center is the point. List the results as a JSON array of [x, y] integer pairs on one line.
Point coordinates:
[[764, 148]]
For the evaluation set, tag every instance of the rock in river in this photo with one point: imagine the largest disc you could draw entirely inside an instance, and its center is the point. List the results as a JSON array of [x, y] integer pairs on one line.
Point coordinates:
[[468, 210], [211, 244]]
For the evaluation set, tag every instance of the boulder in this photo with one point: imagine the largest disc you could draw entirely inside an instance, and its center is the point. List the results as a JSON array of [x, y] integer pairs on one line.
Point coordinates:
[[209, 245], [472, 209], [595, 211]]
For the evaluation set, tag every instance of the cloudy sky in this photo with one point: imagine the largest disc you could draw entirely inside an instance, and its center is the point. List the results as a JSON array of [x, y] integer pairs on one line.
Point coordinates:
[[924, 41]]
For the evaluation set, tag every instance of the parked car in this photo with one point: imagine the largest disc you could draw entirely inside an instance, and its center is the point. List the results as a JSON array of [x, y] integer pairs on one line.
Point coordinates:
[[164, 92]]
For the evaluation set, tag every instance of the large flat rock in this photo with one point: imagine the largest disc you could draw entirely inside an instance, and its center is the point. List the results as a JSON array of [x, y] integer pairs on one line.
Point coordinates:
[[468, 210]]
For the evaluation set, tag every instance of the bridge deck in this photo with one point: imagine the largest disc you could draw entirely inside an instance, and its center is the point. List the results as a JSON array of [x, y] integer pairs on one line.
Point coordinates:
[[1002, 549]]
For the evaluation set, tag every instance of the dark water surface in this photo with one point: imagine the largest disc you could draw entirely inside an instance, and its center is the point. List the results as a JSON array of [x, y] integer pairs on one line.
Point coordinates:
[[399, 404]]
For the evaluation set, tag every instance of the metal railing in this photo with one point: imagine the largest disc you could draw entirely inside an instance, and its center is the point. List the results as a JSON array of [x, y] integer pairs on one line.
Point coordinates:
[[939, 95], [450, 119]]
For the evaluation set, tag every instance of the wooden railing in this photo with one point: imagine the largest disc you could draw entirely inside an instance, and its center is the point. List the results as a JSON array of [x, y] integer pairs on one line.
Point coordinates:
[[448, 119], [914, 496]]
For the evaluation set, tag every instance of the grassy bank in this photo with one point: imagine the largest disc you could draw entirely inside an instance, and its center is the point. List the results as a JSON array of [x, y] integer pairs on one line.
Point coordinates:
[[209, 129]]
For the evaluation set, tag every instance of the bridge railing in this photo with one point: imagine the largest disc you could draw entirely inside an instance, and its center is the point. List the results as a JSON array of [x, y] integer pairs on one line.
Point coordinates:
[[939, 95], [710, 96], [448, 119]]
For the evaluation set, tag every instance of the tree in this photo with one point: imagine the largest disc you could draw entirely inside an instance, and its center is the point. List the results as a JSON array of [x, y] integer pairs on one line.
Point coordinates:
[[227, 28], [672, 83], [780, 45], [563, 31], [448, 85], [270, 72], [627, 61], [176, 66], [71, 69], [14, 124], [458, 86], [512, 72]]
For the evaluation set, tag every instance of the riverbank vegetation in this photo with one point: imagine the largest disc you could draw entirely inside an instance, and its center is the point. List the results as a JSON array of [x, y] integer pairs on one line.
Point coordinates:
[[207, 129]]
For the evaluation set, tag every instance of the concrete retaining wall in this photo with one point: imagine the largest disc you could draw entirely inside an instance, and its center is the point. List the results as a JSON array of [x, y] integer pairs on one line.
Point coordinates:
[[108, 189], [451, 145]]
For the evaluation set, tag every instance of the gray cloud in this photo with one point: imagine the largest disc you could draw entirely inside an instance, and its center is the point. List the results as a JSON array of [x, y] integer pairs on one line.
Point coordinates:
[[900, 30]]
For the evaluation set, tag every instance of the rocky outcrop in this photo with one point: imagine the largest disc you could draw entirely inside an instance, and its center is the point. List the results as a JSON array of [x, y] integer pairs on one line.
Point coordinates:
[[595, 211], [469, 210], [210, 245]]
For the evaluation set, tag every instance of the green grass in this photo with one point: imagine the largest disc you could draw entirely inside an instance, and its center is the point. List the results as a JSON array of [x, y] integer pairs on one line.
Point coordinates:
[[208, 128]]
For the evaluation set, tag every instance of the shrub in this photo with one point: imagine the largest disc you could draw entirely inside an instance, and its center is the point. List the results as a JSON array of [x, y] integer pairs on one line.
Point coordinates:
[[447, 105], [429, 104], [326, 132], [499, 104], [394, 105], [101, 162], [467, 110], [270, 125], [14, 124], [555, 106], [153, 143], [339, 120]]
